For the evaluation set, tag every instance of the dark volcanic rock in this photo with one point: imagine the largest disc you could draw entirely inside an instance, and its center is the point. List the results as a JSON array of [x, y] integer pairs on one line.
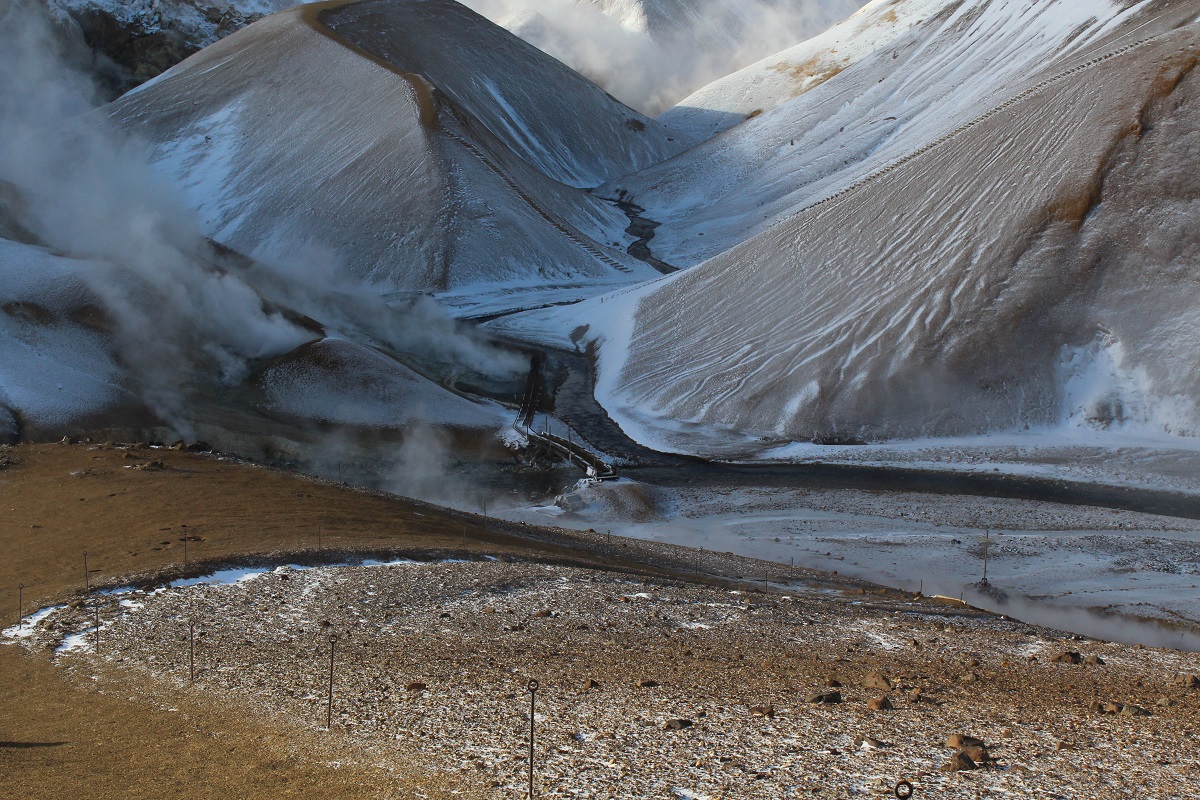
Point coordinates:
[[826, 697]]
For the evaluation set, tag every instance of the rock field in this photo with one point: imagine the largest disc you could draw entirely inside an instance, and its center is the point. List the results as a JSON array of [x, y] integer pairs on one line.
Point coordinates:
[[658, 689]]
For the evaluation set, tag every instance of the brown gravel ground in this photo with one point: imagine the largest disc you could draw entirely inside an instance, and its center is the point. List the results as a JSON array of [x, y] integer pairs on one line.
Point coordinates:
[[522, 602]]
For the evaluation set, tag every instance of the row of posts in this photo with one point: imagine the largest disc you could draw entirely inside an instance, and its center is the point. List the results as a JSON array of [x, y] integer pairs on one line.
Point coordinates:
[[532, 686]]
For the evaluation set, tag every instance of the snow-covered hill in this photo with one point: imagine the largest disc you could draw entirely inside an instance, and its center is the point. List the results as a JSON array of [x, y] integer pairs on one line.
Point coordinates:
[[410, 146], [651, 53], [1027, 265], [961, 60]]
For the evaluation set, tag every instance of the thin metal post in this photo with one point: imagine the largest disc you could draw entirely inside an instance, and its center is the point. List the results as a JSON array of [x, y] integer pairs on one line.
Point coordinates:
[[987, 539], [87, 578], [533, 687], [329, 705]]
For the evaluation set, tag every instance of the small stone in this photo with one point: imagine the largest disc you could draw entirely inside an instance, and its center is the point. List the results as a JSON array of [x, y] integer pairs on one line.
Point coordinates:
[[833, 683], [1189, 681], [1094, 661], [960, 740], [677, 724], [916, 695], [960, 761], [879, 704], [647, 683], [763, 711], [1130, 710], [1165, 702], [542, 614], [826, 697], [416, 686], [871, 743], [877, 680], [1068, 657], [1111, 708], [591, 684]]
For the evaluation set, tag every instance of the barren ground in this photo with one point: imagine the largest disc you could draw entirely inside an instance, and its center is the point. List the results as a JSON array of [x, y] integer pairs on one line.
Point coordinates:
[[472, 609]]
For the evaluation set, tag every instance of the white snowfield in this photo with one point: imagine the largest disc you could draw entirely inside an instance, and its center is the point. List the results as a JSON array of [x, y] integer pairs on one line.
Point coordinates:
[[362, 132], [1022, 264]]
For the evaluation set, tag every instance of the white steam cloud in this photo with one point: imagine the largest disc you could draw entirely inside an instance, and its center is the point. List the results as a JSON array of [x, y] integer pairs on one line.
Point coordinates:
[[89, 193], [187, 318], [650, 54]]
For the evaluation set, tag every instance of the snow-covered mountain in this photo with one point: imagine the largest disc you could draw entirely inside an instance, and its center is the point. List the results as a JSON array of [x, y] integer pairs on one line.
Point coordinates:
[[415, 144], [938, 218], [980, 228], [961, 60], [651, 53]]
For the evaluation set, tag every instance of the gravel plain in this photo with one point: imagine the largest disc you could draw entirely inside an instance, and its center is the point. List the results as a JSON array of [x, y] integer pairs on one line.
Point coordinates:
[[652, 688]]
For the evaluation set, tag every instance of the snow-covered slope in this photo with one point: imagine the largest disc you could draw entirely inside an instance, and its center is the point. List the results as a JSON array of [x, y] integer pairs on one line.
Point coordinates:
[[57, 367], [652, 53], [790, 73], [411, 142], [1034, 267], [342, 382], [557, 121], [962, 59]]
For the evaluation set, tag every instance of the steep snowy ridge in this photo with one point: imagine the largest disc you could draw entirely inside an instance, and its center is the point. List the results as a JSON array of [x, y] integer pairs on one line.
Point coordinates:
[[955, 65], [788, 74], [509, 87], [296, 142], [946, 294]]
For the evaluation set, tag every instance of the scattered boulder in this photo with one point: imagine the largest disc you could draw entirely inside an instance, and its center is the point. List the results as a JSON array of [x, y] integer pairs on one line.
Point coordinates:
[[959, 762], [676, 724], [1130, 710], [647, 683], [1189, 681], [977, 753], [1094, 661], [591, 684], [960, 741], [1111, 708], [880, 704], [763, 711], [826, 698], [1068, 657], [833, 683], [877, 680], [416, 686]]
